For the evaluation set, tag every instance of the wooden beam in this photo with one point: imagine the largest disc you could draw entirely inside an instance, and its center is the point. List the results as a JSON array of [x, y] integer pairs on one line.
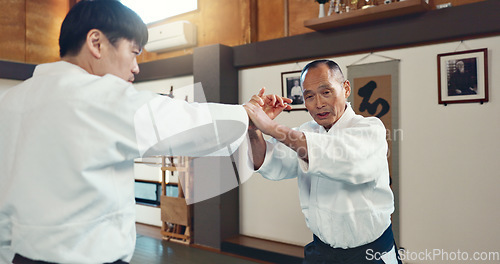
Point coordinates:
[[16, 70]]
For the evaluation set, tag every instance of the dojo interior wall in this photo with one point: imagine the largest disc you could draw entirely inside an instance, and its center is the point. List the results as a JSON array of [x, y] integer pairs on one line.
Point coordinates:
[[449, 169]]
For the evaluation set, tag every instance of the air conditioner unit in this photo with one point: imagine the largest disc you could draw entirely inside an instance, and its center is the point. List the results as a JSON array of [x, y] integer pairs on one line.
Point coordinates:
[[171, 36]]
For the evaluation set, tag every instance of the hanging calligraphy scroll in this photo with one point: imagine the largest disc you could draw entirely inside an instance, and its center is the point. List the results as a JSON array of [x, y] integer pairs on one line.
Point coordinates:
[[375, 92]]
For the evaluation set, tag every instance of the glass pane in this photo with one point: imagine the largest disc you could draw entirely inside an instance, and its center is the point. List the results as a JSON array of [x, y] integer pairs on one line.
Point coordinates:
[[172, 191], [146, 191]]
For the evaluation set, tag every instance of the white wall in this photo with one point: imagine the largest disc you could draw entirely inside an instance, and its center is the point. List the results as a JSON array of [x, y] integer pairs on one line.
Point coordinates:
[[269, 209], [449, 160]]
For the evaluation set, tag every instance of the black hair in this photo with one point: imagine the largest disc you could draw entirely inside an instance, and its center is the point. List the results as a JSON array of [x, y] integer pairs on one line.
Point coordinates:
[[111, 17], [339, 76]]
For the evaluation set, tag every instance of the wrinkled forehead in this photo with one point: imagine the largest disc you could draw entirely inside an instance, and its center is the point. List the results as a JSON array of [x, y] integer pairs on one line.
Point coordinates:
[[320, 75]]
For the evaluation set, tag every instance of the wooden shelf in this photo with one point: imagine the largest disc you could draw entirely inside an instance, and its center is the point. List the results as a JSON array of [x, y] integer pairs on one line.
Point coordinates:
[[369, 14]]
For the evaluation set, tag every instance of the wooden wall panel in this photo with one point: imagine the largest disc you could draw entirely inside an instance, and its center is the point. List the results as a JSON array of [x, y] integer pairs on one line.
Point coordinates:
[[270, 19], [12, 30], [222, 22], [299, 11], [42, 29]]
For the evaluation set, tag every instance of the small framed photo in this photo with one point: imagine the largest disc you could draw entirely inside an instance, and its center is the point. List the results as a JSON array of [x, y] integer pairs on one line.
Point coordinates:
[[463, 77], [290, 87]]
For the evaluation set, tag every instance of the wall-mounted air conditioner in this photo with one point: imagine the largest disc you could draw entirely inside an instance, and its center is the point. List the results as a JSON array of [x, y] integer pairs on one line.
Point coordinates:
[[171, 36]]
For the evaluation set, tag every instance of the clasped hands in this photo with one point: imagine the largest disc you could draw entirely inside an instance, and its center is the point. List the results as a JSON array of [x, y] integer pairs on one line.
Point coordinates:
[[262, 109]]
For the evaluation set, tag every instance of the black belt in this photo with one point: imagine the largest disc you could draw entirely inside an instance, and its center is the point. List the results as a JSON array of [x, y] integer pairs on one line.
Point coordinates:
[[382, 244], [18, 259], [320, 252]]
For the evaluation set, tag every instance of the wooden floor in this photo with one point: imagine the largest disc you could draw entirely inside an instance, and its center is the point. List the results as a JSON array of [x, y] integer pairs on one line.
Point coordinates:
[[265, 250], [262, 244], [151, 249]]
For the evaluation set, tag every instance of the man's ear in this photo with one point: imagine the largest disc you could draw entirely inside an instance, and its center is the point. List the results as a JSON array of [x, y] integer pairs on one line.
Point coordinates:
[[94, 42], [347, 87]]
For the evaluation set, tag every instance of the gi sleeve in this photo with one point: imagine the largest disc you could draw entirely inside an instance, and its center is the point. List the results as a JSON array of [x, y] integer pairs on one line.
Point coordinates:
[[280, 162], [354, 155], [166, 126]]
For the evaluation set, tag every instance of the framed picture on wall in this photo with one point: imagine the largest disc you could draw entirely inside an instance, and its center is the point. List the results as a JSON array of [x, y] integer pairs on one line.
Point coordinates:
[[463, 77], [290, 87]]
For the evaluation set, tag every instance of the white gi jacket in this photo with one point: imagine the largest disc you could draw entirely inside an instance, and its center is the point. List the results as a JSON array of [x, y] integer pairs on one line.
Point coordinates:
[[67, 144], [344, 190]]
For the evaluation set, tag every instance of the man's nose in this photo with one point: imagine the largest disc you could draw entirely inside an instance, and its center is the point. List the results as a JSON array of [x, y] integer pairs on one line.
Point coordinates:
[[319, 101], [135, 69]]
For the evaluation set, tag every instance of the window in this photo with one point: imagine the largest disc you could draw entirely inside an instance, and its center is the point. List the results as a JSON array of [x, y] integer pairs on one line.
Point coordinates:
[[155, 10], [147, 192]]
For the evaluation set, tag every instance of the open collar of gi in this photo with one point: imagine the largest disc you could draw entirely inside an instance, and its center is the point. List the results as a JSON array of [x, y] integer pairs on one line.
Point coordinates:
[[342, 122]]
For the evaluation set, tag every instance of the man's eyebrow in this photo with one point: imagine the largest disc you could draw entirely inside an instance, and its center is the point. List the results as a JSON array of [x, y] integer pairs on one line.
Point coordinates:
[[325, 86]]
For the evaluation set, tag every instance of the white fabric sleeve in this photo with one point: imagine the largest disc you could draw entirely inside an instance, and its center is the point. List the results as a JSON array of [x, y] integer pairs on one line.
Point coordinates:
[[280, 162], [170, 127], [6, 253], [354, 155]]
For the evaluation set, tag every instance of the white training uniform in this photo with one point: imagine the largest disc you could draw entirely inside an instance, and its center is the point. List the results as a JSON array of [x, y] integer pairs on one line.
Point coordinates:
[[68, 140], [344, 189]]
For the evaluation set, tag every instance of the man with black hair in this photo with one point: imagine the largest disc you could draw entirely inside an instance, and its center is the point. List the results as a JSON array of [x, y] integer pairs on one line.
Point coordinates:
[[69, 136], [340, 160]]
